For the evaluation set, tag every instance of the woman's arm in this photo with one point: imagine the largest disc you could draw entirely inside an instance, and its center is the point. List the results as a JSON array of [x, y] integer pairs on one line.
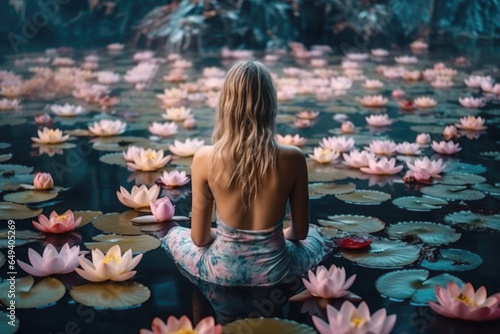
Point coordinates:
[[202, 200], [299, 199]]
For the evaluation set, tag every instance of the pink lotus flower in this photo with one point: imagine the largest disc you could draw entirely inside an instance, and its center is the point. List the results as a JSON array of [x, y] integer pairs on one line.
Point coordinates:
[[340, 83], [50, 136], [51, 262], [43, 119], [187, 148], [471, 123], [407, 148], [183, 325], [163, 129], [112, 266], [382, 147], [352, 320], [162, 209], [378, 120], [323, 156], [431, 167], [405, 60], [471, 102], [475, 81], [286, 94], [398, 93], [418, 45], [189, 123], [450, 132], [442, 82], [446, 147], [489, 87], [139, 197], [131, 152], [308, 114], [115, 47], [143, 56], [382, 167], [466, 304], [67, 110], [423, 139], [420, 176], [327, 283], [302, 123], [338, 144], [174, 179], [373, 84], [43, 181], [57, 223], [347, 127], [149, 160], [375, 101], [425, 102], [6, 104], [291, 140], [107, 77], [357, 56], [107, 128], [379, 52], [358, 159]]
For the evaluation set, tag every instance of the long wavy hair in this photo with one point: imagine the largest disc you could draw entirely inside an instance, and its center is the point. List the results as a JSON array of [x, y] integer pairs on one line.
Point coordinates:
[[245, 127]]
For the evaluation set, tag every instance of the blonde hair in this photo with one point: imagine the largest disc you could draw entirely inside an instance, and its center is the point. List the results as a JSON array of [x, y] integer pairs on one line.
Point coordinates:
[[245, 125]]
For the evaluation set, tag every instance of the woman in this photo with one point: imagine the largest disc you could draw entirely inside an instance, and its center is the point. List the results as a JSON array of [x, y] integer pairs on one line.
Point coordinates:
[[251, 178]]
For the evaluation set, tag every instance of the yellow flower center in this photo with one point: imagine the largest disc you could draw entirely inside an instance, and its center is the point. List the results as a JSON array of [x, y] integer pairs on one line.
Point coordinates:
[[357, 322], [184, 331], [110, 257], [151, 155], [62, 217], [466, 300], [325, 152]]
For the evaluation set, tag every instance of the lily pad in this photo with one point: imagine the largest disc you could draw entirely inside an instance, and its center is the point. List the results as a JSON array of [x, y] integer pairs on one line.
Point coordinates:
[[87, 216], [453, 192], [138, 243], [412, 284], [324, 173], [321, 189], [454, 260], [460, 179], [474, 221], [10, 210], [111, 295], [5, 157], [114, 159], [433, 129], [7, 169], [118, 223], [21, 234], [414, 203], [328, 232], [488, 188], [492, 154], [266, 325], [384, 253], [30, 196], [364, 197], [30, 295], [428, 232], [354, 224], [463, 167]]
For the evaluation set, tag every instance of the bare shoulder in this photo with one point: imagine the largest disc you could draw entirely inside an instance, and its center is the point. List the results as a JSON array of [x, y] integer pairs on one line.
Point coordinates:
[[290, 154], [203, 154]]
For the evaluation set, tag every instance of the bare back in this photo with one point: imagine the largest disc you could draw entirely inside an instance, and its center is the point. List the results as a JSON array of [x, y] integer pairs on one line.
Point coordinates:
[[287, 181]]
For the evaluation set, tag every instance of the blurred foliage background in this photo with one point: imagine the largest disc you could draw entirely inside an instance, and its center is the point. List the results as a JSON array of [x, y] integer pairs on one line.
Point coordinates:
[[208, 25]]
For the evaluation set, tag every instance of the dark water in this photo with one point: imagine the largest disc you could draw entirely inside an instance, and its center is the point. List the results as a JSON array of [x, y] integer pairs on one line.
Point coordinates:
[[93, 184]]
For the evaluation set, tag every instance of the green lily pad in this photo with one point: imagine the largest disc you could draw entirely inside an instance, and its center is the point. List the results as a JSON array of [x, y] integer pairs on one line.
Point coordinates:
[[454, 260]]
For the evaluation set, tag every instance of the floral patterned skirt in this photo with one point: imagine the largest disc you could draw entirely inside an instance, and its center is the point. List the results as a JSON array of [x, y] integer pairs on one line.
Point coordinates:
[[245, 257]]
